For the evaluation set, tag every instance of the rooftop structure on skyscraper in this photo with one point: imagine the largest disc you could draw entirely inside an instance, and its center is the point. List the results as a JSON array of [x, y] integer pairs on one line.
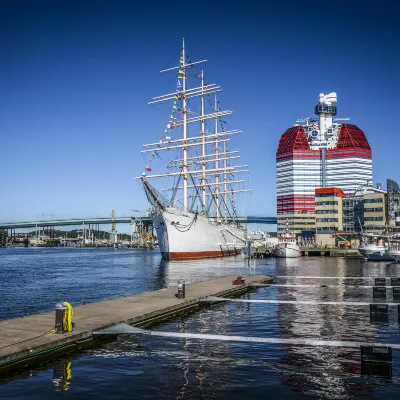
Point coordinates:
[[317, 153]]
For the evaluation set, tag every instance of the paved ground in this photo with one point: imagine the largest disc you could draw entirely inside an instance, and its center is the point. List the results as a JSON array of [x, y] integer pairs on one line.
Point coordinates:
[[19, 336]]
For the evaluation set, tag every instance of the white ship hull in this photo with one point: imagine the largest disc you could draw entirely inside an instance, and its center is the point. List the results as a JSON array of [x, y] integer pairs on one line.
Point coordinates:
[[186, 235], [287, 250]]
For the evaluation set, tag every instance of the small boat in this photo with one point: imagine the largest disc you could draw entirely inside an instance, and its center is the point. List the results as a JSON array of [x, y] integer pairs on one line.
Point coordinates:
[[374, 246], [287, 246]]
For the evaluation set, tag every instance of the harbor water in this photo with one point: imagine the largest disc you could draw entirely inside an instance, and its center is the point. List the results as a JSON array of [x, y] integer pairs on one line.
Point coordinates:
[[34, 279]]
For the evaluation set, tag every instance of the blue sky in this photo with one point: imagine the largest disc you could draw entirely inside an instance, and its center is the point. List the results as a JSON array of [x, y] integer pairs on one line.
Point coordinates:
[[75, 79]]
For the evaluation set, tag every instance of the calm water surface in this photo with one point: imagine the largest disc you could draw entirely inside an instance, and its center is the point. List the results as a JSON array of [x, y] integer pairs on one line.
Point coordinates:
[[33, 280]]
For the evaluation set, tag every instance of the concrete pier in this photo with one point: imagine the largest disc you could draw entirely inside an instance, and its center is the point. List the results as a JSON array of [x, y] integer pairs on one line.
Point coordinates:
[[25, 341]]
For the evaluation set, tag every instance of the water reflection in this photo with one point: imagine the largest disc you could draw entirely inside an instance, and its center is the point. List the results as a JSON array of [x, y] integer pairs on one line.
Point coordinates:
[[187, 368], [329, 322], [62, 375]]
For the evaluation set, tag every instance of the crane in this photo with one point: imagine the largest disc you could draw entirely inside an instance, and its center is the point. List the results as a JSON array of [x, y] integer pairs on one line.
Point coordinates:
[[347, 243]]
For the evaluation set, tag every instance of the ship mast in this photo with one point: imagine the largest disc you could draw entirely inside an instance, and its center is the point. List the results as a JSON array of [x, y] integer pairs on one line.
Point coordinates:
[[225, 187], [206, 167], [203, 148], [216, 160], [184, 112]]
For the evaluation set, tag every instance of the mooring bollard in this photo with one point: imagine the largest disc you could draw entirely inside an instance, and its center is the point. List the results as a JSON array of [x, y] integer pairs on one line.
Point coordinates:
[[239, 281], [180, 289], [183, 289], [61, 309]]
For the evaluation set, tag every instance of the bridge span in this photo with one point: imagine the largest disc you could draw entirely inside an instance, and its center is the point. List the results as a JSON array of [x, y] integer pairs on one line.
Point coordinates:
[[110, 220]]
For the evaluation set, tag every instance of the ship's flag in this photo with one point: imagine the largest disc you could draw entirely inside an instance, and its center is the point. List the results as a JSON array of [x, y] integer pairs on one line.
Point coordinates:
[[148, 169], [315, 127], [176, 108], [181, 74], [167, 137], [172, 116]]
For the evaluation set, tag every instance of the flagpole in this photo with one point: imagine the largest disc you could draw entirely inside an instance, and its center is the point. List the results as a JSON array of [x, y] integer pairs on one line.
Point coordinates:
[[184, 112]]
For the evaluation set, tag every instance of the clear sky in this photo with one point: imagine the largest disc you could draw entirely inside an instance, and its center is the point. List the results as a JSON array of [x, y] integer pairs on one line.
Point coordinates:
[[76, 76]]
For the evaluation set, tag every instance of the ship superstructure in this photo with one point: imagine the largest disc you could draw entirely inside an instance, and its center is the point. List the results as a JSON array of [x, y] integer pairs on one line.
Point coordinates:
[[196, 216], [317, 153]]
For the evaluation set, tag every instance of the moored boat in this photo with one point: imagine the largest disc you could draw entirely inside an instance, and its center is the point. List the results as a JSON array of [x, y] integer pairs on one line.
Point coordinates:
[[374, 246], [287, 246]]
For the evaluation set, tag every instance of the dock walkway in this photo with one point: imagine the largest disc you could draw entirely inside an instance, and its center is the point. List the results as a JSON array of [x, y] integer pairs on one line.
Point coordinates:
[[25, 341]]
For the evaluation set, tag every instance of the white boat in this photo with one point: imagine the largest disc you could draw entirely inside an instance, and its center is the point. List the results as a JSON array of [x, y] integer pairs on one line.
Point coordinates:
[[287, 246], [374, 246], [203, 176]]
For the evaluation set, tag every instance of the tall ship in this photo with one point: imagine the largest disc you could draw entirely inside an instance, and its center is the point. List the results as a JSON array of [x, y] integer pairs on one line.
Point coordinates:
[[319, 152], [194, 207]]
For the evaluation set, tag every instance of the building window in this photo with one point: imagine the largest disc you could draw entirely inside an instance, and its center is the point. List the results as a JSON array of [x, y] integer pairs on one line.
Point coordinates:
[[379, 200], [325, 195], [326, 211], [373, 219], [326, 203], [327, 220], [379, 209]]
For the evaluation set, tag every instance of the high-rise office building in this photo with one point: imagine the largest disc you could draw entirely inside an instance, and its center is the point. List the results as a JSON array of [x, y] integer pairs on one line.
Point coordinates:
[[315, 153]]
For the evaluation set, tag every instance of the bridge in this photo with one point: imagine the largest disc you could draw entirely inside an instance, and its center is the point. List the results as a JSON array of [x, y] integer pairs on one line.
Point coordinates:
[[110, 220]]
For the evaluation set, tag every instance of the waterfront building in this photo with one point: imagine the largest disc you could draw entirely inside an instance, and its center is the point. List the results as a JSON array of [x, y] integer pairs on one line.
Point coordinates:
[[372, 207], [375, 210], [365, 207], [328, 210], [318, 153]]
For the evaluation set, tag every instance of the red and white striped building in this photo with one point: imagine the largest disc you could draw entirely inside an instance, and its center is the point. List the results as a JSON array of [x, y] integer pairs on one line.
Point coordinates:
[[315, 154]]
